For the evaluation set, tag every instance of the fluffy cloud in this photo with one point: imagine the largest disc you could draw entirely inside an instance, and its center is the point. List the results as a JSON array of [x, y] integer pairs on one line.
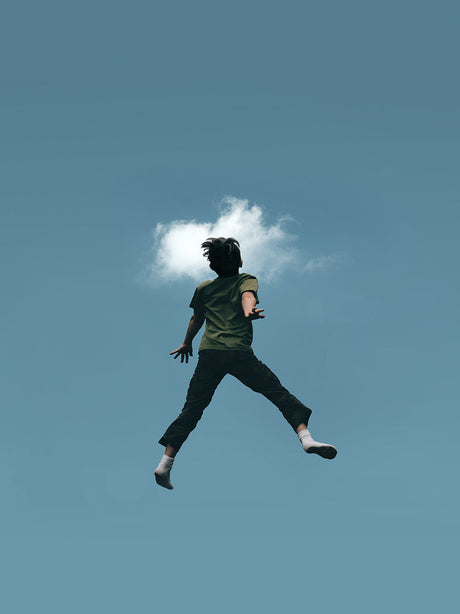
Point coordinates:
[[267, 250]]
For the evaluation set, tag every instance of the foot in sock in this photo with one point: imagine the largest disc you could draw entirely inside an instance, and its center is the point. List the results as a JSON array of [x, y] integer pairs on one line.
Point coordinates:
[[325, 450], [163, 471]]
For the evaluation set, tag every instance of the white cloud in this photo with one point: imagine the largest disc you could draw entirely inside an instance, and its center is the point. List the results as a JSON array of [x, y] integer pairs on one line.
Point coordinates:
[[320, 264], [267, 250]]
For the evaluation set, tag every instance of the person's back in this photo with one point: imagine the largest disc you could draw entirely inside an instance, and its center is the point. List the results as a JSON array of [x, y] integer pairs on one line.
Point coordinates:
[[219, 302], [228, 305]]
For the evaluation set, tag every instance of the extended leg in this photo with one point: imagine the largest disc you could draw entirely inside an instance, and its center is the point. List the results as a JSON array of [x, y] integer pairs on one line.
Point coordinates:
[[257, 376], [253, 373], [202, 386], [207, 376]]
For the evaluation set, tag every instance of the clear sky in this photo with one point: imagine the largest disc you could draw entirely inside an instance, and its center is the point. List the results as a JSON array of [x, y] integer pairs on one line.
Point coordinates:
[[117, 117]]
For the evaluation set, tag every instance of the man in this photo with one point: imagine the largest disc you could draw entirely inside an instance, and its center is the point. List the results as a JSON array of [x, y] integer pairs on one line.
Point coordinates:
[[228, 306]]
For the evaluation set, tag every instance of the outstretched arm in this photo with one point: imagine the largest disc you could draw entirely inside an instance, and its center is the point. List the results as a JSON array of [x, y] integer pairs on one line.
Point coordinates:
[[196, 322], [248, 303]]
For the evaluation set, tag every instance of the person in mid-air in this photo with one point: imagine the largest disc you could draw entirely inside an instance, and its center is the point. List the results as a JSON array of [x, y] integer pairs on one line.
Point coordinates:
[[228, 305]]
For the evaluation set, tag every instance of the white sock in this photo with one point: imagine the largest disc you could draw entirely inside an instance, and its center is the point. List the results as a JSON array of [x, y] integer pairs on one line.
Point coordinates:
[[166, 461], [163, 470], [305, 435], [316, 447]]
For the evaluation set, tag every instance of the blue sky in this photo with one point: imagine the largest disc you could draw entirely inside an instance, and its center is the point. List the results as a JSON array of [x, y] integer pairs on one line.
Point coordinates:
[[118, 117]]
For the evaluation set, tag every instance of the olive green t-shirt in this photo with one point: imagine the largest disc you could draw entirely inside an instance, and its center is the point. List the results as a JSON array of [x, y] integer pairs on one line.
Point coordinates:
[[219, 301]]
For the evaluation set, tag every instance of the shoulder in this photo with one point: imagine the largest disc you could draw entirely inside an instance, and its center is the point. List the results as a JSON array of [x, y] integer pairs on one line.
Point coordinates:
[[198, 296], [246, 277], [204, 284], [203, 288]]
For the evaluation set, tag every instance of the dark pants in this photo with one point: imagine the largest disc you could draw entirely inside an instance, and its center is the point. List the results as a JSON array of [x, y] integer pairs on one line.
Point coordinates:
[[212, 366]]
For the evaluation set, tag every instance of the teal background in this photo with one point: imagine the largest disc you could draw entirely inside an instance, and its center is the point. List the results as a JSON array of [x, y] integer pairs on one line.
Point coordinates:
[[117, 116]]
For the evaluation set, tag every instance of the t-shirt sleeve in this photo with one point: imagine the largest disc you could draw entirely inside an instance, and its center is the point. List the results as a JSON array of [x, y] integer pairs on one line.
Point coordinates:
[[197, 302], [250, 284]]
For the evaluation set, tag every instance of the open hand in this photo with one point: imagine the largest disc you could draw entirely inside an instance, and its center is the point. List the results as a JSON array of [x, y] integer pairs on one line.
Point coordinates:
[[255, 314], [183, 350]]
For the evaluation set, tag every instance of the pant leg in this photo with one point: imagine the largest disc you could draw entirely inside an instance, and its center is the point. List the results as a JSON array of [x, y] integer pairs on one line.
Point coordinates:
[[257, 376], [209, 372]]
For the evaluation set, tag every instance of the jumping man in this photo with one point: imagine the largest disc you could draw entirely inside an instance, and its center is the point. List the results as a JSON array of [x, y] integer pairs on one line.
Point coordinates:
[[228, 306]]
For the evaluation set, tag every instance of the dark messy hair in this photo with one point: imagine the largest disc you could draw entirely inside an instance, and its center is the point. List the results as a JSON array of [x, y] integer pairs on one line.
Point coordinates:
[[223, 254]]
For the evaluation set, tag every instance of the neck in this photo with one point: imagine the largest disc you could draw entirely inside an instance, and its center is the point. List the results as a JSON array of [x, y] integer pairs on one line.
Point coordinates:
[[228, 274]]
